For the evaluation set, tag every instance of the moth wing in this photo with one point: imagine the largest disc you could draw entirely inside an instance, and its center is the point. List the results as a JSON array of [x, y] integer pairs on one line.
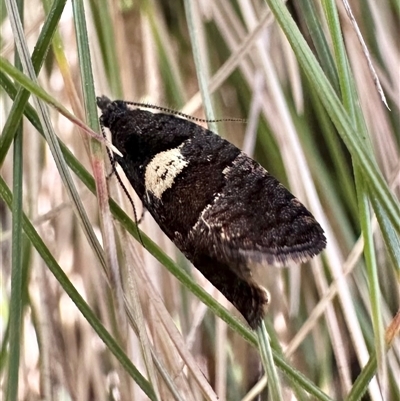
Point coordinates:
[[255, 219]]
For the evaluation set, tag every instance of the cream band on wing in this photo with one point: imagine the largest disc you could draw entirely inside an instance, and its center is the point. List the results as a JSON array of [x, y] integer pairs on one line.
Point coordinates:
[[163, 169]]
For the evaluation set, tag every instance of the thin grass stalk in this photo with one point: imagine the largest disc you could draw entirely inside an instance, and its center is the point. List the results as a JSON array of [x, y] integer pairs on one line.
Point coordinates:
[[231, 63], [39, 92], [320, 42], [339, 160], [193, 22], [373, 281], [346, 86], [310, 193], [167, 54], [376, 302], [366, 52], [328, 64], [391, 239], [274, 384], [4, 351], [38, 56], [85, 64], [15, 314], [105, 30], [96, 150], [221, 365], [16, 308], [89, 98], [337, 113], [76, 298], [50, 134], [131, 295], [360, 386], [176, 337]]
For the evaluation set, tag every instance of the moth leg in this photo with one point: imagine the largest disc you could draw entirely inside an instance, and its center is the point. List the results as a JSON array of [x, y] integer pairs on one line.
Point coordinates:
[[113, 163], [110, 174], [144, 210]]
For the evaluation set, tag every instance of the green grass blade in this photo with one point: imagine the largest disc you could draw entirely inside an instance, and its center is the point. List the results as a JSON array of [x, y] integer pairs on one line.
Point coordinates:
[[198, 53], [337, 112], [40, 93], [274, 385], [360, 386], [103, 21], [52, 139], [16, 274], [168, 63], [16, 308], [99, 171], [349, 100], [38, 56], [80, 303], [320, 42], [392, 240], [85, 64]]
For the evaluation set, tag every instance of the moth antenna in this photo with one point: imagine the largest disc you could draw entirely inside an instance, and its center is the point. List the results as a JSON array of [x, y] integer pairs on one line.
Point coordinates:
[[114, 170], [186, 116]]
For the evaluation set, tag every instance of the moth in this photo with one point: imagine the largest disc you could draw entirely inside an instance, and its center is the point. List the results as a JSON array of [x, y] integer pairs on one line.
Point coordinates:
[[221, 208]]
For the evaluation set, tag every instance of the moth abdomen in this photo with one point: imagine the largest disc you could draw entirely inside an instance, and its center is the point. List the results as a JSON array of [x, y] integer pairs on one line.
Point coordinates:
[[249, 298]]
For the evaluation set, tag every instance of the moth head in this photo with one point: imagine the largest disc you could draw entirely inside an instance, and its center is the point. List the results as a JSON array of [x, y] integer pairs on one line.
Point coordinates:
[[124, 127], [111, 111]]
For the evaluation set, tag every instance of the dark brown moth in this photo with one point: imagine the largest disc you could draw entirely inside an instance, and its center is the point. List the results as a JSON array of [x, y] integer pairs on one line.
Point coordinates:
[[219, 207]]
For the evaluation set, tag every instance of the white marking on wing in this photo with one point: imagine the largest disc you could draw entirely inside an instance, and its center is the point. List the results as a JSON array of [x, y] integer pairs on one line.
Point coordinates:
[[163, 169]]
